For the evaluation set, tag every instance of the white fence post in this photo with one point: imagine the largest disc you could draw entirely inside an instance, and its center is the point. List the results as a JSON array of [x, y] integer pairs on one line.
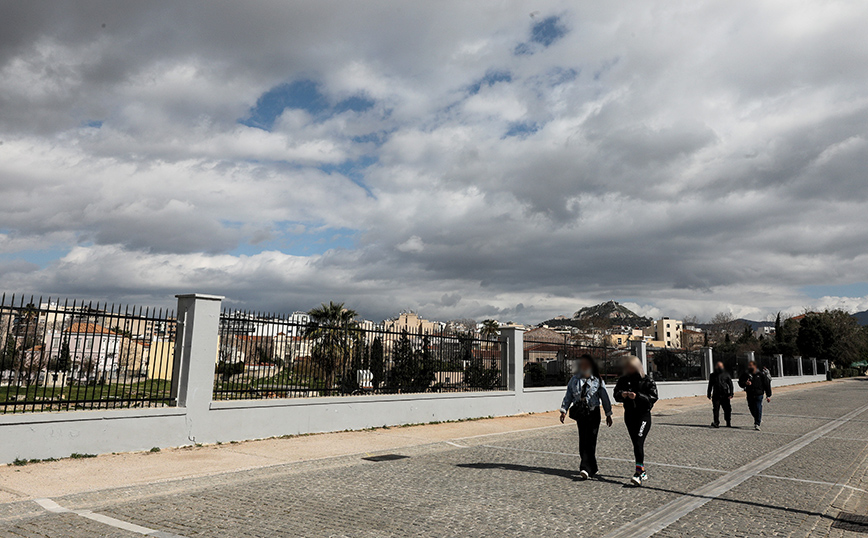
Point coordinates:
[[814, 365], [707, 362], [799, 362], [513, 357], [196, 347], [780, 359], [640, 349]]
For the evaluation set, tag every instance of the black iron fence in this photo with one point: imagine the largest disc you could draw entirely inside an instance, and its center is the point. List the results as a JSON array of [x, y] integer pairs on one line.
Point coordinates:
[[807, 366], [675, 364], [290, 356], [547, 361], [61, 356]]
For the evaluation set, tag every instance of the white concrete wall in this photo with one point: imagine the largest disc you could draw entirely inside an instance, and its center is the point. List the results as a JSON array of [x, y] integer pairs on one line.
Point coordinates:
[[197, 419], [57, 435]]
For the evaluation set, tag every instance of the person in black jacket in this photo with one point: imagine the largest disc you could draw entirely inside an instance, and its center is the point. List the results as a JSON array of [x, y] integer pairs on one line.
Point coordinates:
[[638, 393], [720, 392], [756, 385]]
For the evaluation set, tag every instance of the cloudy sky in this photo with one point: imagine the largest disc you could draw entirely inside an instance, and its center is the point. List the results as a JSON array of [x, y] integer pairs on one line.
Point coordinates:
[[467, 159]]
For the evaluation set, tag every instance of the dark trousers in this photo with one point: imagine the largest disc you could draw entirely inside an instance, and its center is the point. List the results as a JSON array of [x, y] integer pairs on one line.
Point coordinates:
[[638, 426], [589, 428], [726, 404], [755, 404]]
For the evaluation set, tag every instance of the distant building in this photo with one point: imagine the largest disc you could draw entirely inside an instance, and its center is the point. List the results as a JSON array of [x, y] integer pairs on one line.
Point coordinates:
[[666, 331], [412, 323], [692, 339]]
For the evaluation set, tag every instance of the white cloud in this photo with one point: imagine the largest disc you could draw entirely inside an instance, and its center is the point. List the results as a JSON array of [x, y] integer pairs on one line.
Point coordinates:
[[687, 159]]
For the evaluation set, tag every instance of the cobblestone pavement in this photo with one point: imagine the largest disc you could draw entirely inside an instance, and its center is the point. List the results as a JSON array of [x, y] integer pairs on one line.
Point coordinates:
[[520, 484]]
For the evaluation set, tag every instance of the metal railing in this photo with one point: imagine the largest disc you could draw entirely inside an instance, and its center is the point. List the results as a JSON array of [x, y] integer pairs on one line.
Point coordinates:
[[546, 361], [675, 364], [791, 366], [62, 356], [282, 356]]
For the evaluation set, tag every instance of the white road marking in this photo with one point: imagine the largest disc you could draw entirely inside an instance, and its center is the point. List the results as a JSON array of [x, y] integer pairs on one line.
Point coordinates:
[[55, 508], [688, 467], [455, 444], [51, 506], [820, 482], [657, 520]]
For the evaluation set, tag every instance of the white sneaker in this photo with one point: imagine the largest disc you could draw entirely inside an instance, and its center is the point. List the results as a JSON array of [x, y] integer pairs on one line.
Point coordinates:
[[583, 475], [756, 427], [638, 479]]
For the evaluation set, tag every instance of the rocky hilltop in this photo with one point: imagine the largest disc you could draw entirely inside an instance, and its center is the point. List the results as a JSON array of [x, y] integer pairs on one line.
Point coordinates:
[[601, 315]]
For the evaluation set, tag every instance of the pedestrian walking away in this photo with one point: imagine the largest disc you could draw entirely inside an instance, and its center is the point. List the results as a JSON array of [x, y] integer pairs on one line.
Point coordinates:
[[638, 393], [586, 393], [720, 392], [756, 385]]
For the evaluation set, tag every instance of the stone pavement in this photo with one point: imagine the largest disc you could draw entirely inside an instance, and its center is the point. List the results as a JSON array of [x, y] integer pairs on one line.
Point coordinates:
[[501, 477]]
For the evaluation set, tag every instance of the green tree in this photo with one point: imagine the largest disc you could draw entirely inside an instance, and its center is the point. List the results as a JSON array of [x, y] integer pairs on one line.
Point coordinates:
[[377, 362], [413, 371], [490, 329], [833, 335], [779, 330], [331, 329], [63, 361], [9, 353]]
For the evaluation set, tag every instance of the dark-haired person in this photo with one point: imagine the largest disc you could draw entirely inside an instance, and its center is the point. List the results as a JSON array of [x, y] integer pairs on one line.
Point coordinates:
[[638, 393], [756, 385], [586, 393], [720, 392]]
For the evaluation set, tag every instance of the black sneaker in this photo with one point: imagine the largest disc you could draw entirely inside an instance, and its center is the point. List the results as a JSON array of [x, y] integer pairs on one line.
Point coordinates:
[[729, 424], [715, 425], [639, 478]]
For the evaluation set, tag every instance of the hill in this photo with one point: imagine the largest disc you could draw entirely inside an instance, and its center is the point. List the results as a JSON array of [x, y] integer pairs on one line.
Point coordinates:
[[601, 315], [861, 317]]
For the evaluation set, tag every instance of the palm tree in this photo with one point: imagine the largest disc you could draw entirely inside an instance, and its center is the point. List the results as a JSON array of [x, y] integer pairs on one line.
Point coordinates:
[[331, 329], [490, 329]]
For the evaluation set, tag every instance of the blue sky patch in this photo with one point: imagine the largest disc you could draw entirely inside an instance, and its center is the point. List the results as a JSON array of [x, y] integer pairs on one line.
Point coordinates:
[[855, 289], [300, 95], [356, 103], [311, 241], [521, 128], [490, 79], [547, 31], [93, 124], [355, 170]]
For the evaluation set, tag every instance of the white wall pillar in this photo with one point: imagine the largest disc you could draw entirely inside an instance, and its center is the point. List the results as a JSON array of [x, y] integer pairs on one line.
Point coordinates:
[[799, 362], [640, 349], [196, 347], [814, 365], [707, 362], [513, 359], [780, 359]]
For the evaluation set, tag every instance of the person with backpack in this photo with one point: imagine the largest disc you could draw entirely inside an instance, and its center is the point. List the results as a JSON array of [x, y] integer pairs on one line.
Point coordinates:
[[638, 393], [720, 392], [756, 385], [586, 393]]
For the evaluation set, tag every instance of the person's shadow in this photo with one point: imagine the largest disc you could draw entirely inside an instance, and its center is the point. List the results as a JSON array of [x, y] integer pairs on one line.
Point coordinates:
[[551, 471]]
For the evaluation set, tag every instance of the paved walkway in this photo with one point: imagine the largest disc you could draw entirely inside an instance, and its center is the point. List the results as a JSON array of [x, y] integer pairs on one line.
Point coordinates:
[[497, 477]]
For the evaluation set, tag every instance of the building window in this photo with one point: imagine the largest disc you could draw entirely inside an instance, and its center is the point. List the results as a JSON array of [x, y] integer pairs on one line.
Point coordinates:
[[668, 335]]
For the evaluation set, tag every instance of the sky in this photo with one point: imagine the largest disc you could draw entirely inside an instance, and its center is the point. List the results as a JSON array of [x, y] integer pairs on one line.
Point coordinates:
[[508, 160]]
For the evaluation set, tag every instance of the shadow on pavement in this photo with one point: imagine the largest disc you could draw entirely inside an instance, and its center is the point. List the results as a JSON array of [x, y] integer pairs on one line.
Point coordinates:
[[625, 485]]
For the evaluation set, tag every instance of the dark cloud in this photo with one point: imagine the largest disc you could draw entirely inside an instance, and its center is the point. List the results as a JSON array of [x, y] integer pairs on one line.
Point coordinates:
[[686, 159]]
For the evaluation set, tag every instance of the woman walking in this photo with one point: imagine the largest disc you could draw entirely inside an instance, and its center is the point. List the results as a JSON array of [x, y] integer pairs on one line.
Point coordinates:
[[586, 392], [638, 393]]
